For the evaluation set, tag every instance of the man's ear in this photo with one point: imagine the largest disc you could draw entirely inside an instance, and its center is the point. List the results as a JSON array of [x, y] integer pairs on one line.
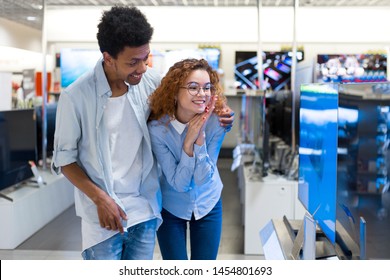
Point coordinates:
[[107, 59]]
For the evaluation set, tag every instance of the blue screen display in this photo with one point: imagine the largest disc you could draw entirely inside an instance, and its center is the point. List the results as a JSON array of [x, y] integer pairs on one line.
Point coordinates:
[[75, 62], [317, 184]]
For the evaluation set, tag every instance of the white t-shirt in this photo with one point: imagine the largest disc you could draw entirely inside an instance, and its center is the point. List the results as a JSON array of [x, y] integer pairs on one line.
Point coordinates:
[[125, 140]]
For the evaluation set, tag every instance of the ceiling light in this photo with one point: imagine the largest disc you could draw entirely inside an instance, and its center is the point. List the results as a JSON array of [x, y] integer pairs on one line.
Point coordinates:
[[37, 6], [31, 18]]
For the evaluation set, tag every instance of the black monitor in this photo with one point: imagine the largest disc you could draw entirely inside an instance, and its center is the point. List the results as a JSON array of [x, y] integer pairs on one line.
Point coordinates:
[[17, 146]]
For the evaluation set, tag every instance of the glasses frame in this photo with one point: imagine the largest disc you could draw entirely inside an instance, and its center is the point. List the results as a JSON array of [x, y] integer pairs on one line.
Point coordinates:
[[212, 89]]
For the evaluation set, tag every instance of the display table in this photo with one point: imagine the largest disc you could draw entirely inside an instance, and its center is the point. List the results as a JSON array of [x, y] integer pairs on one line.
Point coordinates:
[[32, 208], [263, 199]]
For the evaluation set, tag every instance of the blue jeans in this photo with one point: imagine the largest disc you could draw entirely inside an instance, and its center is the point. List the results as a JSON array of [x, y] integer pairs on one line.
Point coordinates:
[[137, 243], [205, 235]]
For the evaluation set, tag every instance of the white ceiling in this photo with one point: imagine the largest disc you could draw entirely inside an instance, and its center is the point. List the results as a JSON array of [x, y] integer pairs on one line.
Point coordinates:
[[19, 10]]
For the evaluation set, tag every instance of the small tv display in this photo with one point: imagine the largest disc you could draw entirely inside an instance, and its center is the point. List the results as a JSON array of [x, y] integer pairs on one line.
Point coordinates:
[[17, 146], [212, 55]]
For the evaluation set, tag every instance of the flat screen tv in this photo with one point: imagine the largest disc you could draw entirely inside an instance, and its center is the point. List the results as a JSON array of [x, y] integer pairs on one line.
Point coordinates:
[[213, 56], [17, 146], [51, 110], [75, 62], [317, 181], [351, 68], [276, 69]]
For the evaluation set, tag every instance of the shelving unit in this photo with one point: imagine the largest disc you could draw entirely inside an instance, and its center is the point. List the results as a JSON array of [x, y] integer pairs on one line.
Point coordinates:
[[32, 208], [363, 169], [270, 197]]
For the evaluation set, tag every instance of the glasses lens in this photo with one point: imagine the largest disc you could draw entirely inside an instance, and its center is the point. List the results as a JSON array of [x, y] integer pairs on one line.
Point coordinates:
[[193, 89]]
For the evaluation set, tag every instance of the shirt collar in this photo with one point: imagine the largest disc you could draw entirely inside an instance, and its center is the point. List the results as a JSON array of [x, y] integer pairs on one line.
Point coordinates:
[[178, 126], [102, 85]]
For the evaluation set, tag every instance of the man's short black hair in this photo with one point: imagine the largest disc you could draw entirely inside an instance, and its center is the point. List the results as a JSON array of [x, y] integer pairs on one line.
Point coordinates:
[[121, 27]]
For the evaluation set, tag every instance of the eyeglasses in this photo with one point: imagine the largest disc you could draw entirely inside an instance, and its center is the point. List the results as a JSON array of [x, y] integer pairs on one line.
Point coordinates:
[[194, 89]]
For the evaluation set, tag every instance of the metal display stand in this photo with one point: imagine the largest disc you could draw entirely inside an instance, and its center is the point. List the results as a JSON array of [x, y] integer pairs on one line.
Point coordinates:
[[295, 241]]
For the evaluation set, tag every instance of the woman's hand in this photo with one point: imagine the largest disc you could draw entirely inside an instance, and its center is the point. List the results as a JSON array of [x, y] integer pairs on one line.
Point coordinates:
[[196, 128]]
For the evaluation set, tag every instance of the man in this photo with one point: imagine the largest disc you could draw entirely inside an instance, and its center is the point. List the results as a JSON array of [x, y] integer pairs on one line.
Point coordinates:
[[102, 144]]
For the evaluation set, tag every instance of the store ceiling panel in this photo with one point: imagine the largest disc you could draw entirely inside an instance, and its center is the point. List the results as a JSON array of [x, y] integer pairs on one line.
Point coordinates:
[[30, 12]]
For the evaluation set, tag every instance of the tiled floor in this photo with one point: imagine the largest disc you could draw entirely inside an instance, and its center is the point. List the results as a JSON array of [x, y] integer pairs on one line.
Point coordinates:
[[61, 239]]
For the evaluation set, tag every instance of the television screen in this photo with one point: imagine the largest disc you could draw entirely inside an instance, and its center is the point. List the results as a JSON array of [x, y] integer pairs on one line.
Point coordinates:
[[170, 57], [51, 110], [17, 146], [75, 62], [317, 182], [348, 118], [351, 68], [212, 55], [276, 69]]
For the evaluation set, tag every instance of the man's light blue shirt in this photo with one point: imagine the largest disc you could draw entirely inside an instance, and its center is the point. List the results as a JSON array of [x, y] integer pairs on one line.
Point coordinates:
[[81, 137], [189, 185]]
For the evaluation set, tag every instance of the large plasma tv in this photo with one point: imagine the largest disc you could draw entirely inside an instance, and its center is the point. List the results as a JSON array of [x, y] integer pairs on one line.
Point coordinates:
[[75, 62], [276, 69], [318, 136], [17, 146], [351, 68]]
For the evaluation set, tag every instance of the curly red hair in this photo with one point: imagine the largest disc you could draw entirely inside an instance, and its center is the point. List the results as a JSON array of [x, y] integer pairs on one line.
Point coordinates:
[[162, 101]]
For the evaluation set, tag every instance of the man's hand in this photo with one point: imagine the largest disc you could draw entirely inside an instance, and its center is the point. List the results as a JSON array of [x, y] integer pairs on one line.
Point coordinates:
[[110, 214], [226, 118]]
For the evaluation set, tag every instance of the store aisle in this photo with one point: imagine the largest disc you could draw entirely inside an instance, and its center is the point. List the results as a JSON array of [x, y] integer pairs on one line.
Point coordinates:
[[61, 238]]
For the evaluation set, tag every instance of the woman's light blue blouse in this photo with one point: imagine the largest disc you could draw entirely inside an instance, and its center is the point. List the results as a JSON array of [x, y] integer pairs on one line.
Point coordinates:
[[189, 185]]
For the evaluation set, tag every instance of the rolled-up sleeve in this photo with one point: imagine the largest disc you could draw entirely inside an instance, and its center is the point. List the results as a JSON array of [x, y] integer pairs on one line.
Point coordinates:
[[67, 134]]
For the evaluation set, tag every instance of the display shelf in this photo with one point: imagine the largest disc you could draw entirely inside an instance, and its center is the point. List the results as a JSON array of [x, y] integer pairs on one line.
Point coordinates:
[[271, 197], [32, 207]]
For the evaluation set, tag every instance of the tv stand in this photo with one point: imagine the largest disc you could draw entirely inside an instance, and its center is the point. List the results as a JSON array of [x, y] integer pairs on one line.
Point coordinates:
[[287, 238], [27, 209]]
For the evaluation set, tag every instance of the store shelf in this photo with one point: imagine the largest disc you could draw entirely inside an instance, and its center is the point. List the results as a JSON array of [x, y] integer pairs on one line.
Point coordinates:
[[271, 197], [32, 207]]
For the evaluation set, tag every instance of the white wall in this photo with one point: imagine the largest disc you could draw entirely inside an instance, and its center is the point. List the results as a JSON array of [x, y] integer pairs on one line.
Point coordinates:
[[5, 91], [319, 30], [234, 24], [19, 36]]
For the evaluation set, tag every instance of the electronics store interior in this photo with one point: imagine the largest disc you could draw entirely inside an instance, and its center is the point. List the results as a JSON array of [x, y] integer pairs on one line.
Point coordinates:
[[305, 166]]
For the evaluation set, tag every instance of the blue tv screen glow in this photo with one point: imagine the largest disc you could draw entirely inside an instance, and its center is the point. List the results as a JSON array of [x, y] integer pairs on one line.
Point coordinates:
[[75, 62], [317, 184]]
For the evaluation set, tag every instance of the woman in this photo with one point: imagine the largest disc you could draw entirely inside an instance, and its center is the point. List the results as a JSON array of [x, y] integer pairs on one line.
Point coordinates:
[[186, 138]]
